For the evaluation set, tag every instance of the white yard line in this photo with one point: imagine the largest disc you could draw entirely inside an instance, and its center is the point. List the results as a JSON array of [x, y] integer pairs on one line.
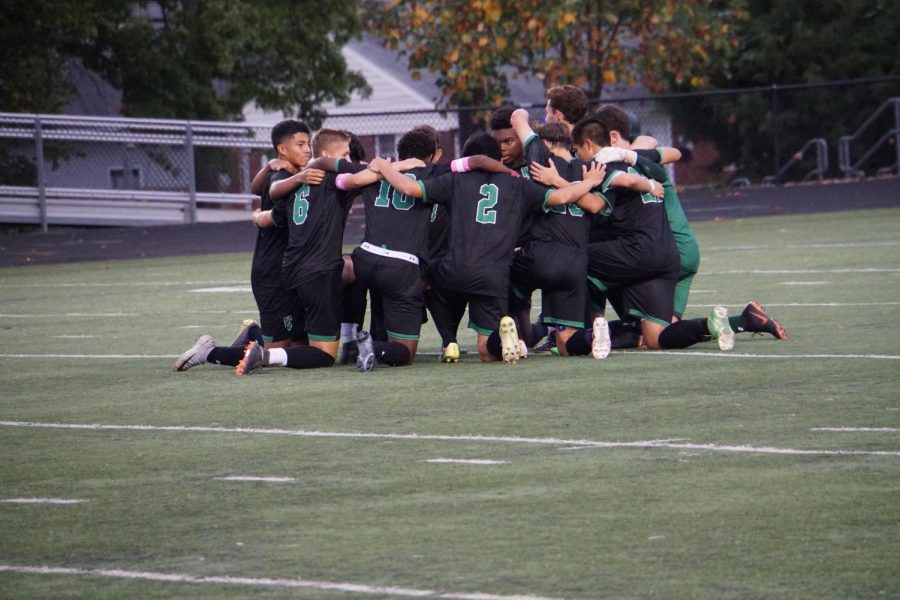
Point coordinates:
[[90, 356], [801, 304], [801, 246], [799, 271], [805, 283], [858, 429], [58, 315], [737, 355], [85, 284], [646, 353], [223, 290], [334, 586], [257, 479], [445, 438], [466, 461], [42, 501]]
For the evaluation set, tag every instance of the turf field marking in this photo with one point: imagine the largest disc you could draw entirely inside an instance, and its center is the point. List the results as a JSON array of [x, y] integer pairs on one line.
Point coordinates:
[[681, 353], [689, 353], [89, 356], [799, 271], [801, 304], [801, 246], [52, 315], [466, 461], [447, 438], [42, 501], [75, 337], [858, 429], [257, 479], [223, 290], [335, 586], [805, 283], [83, 284]]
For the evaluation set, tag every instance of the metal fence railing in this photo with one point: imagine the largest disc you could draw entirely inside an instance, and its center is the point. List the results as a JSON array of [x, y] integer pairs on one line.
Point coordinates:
[[90, 170]]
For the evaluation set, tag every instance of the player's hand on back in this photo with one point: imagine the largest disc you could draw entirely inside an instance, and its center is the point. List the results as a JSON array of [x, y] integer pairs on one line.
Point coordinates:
[[593, 173], [547, 175], [312, 176], [409, 164]]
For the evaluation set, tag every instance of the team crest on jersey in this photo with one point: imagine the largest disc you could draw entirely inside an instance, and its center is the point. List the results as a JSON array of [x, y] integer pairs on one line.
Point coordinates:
[[289, 323]]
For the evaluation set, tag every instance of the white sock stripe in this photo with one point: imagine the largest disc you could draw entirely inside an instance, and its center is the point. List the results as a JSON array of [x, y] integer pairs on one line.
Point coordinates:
[[446, 438], [267, 582]]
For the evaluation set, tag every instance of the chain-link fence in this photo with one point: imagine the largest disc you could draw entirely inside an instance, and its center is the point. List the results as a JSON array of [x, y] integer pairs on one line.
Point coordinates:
[[83, 170]]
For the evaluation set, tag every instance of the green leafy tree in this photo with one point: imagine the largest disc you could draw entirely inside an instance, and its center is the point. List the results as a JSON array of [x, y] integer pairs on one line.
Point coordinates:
[[470, 43], [193, 59], [798, 42]]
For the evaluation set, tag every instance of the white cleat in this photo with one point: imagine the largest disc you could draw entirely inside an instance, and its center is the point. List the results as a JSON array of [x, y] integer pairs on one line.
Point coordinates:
[[523, 349], [196, 354], [509, 341], [720, 329], [600, 342]]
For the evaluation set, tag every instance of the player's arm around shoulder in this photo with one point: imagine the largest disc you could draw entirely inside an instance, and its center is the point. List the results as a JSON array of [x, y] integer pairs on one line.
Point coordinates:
[[633, 181], [591, 177], [311, 175]]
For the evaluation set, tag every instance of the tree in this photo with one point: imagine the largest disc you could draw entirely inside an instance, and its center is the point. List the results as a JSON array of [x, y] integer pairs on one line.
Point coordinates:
[[192, 59], [799, 42], [468, 43]]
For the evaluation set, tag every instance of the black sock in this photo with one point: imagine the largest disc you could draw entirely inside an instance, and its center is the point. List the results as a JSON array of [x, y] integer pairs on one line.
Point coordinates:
[[391, 353], [376, 318], [737, 323], [624, 334], [353, 303], [307, 357], [682, 334], [580, 343], [254, 334], [228, 355], [446, 317], [494, 346]]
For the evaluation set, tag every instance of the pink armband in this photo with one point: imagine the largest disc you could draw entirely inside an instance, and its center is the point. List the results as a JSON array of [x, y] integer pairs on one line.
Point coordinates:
[[460, 165], [514, 173], [340, 181]]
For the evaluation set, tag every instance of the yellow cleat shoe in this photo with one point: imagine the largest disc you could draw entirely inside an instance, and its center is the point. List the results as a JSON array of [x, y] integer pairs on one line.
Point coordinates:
[[450, 354], [509, 341]]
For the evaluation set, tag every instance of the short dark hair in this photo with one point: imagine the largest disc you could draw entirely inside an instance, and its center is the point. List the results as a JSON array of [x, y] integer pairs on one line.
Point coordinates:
[[614, 118], [570, 100], [482, 143], [555, 133], [501, 118], [416, 143], [327, 137], [357, 150], [432, 132], [592, 129], [285, 129]]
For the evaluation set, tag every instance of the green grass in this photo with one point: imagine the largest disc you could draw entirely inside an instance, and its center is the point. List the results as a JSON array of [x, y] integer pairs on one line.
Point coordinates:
[[552, 522]]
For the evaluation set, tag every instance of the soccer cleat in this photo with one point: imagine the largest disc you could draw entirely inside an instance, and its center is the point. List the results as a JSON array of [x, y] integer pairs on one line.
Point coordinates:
[[523, 349], [600, 341], [719, 328], [365, 359], [547, 344], [450, 354], [254, 359], [755, 319], [349, 353], [243, 336], [196, 354], [509, 341]]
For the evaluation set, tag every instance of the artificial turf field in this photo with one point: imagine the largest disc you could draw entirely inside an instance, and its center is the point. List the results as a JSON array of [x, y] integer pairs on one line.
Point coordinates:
[[772, 471]]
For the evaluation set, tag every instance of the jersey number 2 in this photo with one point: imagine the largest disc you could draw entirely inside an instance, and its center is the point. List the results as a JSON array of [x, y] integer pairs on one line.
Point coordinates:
[[301, 205], [485, 212]]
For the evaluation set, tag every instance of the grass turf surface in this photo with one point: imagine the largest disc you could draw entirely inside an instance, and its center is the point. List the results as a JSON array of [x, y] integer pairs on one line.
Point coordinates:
[[555, 520]]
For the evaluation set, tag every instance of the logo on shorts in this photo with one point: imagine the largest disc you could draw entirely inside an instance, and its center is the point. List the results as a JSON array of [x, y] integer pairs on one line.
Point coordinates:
[[289, 322]]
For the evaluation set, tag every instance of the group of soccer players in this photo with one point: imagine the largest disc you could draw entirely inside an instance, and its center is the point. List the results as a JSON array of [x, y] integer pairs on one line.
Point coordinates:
[[579, 209]]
